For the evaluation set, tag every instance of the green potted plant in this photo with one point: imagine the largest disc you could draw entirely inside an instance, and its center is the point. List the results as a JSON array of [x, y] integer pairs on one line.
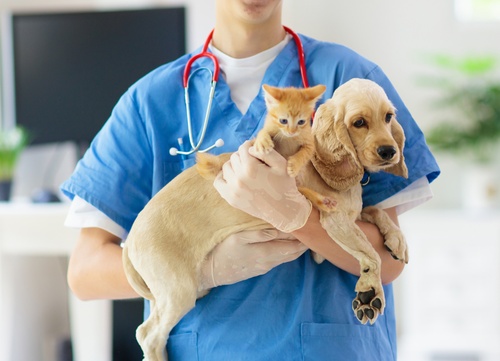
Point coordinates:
[[468, 99], [12, 143], [470, 96]]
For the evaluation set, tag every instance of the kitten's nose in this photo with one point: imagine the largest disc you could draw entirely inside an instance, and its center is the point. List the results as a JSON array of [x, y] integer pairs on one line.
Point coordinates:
[[386, 152]]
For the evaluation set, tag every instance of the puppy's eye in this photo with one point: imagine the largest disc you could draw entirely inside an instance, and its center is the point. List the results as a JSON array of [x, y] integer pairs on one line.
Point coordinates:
[[283, 121], [301, 122], [359, 123], [388, 117]]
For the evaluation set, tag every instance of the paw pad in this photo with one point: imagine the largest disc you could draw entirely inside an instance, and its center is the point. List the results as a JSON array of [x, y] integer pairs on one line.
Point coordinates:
[[367, 306]]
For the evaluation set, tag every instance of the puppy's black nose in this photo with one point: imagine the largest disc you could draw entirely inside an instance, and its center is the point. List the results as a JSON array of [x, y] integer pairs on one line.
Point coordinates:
[[386, 152]]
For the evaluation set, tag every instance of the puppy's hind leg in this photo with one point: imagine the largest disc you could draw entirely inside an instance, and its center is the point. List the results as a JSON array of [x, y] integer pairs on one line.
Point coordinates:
[[166, 311], [318, 200], [143, 334]]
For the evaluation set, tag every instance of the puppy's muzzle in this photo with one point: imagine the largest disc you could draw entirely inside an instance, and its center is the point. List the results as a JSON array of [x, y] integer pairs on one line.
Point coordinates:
[[386, 152]]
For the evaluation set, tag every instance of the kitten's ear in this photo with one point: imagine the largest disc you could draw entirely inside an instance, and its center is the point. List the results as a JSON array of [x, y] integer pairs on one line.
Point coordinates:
[[272, 95], [315, 92]]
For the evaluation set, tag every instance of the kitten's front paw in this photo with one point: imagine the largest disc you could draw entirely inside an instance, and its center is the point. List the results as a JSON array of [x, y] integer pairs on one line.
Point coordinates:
[[294, 166], [293, 169], [263, 144]]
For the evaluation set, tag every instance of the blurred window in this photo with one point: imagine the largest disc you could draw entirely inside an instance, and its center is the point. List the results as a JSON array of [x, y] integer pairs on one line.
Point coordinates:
[[477, 10]]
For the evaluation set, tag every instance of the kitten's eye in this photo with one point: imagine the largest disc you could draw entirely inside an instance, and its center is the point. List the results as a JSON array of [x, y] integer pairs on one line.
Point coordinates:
[[359, 123], [283, 121], [301, 122], [388, 117]]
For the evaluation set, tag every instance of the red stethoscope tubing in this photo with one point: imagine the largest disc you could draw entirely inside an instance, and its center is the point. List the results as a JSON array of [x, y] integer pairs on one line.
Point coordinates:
[[215, 77], [301, 55]]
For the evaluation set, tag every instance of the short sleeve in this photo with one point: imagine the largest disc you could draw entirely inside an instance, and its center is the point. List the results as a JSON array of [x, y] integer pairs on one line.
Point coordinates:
[[114, 175]]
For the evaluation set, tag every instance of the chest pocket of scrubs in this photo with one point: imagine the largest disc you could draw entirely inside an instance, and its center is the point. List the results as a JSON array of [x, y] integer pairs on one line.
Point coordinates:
[[341, 342], [183, 347]]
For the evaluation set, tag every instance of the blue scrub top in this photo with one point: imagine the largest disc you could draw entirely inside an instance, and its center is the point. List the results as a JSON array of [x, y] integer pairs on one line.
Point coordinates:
[[299, 310]]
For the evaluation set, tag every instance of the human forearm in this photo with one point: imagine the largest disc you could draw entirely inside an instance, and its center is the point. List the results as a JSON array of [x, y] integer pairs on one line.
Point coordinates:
[[95, 269], [315, 237]]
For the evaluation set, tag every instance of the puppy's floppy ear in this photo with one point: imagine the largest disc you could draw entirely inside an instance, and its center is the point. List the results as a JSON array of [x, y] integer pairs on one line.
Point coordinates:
[[344, 138], [323, 120], [400, 168], [335, 159]]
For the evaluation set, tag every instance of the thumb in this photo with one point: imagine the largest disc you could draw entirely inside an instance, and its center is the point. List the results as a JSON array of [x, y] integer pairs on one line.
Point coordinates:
[[273, 159]]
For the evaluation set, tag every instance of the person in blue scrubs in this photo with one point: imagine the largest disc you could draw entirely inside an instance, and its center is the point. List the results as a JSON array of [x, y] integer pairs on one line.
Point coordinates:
[[277, 304]]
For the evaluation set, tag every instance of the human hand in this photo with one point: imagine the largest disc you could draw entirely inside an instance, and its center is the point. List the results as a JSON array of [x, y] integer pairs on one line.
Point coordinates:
[[248, 254], [259, 185]]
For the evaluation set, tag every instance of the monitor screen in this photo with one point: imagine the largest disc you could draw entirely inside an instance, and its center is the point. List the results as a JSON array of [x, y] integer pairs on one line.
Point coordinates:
[[69, 69]]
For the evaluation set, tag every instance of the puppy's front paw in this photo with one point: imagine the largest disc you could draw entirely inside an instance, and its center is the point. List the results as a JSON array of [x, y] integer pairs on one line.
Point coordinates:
[[367, 306], [370, 300], [396, 244]]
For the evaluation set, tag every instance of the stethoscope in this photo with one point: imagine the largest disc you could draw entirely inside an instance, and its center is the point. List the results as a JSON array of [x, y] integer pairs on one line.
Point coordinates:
[[195, 147]]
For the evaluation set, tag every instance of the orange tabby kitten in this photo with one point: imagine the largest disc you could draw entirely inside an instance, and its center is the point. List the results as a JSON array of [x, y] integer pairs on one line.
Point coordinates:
[[287, 129], [288, 124]]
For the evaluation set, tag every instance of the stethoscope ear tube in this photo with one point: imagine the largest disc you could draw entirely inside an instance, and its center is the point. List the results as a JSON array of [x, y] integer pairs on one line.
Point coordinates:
[[187, 69], [196, 147], [185, 80]]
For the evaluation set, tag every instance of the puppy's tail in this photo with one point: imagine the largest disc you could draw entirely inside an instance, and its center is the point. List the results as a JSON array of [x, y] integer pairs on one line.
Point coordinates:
[[135, 278], [209, 165]]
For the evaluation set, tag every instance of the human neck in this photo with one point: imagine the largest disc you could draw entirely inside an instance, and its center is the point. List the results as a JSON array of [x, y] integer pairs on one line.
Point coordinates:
[[243, 41]]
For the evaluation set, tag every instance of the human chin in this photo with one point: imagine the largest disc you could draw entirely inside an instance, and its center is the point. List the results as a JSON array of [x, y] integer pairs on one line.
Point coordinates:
[[258, 10]]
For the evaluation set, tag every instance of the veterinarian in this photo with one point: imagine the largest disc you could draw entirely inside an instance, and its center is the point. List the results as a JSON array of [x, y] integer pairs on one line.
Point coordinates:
[[269, 299]]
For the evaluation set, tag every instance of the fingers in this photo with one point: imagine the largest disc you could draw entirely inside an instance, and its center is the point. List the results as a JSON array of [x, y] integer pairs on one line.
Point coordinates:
[[271, 245], [226, 177], [234, 165], [273, 159], [276, 250], [263, 235], [239, 166], [248, 155], [274, 253], [244, 163], [287, 247], [242, 156], [285, 236]]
